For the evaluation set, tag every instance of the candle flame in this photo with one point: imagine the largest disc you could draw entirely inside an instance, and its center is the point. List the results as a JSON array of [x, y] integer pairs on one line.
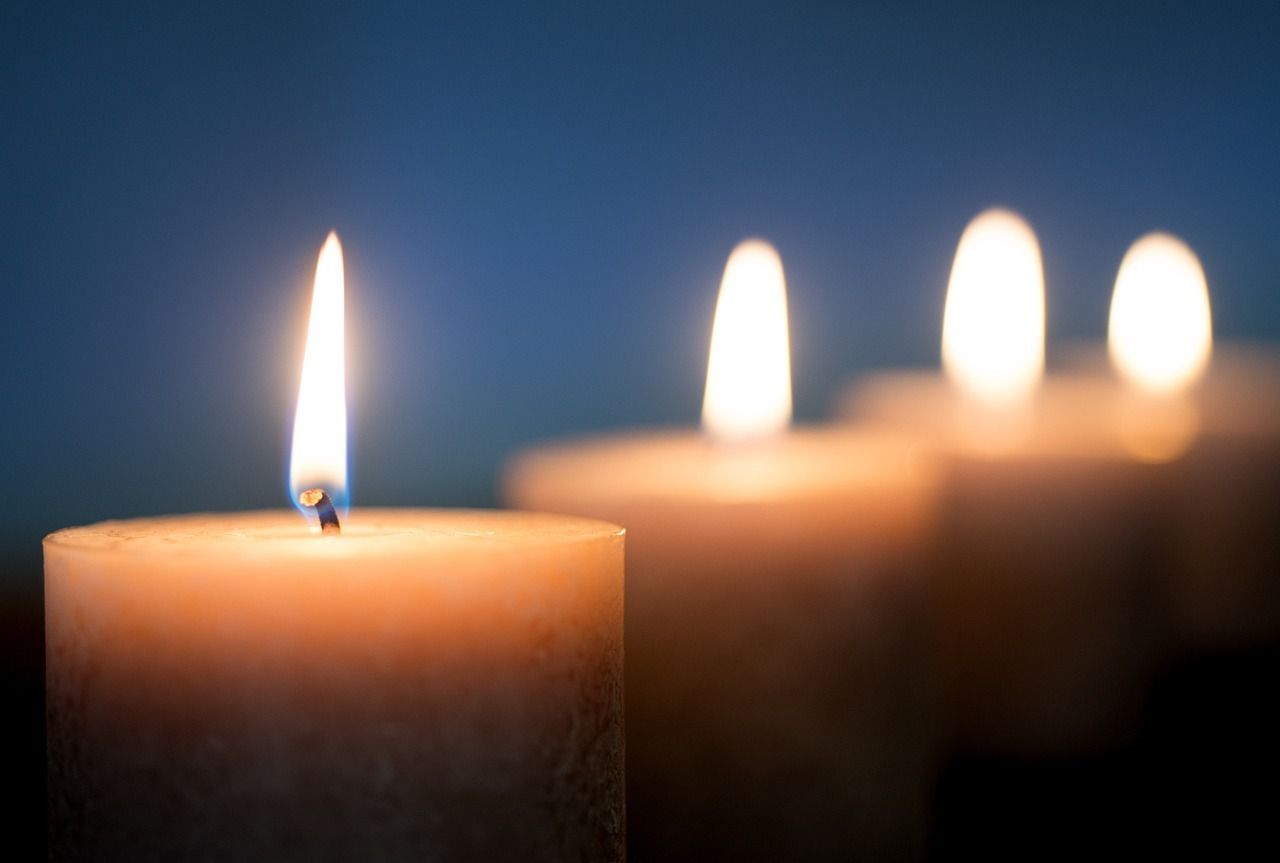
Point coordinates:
[[319, 457], [993, 322], [1160, 335], [748, 393]]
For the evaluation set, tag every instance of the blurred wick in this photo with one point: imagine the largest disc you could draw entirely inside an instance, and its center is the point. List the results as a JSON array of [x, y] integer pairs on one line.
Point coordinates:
[[319, 499]]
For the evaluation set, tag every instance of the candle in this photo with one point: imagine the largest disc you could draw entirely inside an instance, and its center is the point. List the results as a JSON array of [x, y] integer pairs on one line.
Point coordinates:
[[396, 684], [1050, 530], [776, 704], [1219, 426]]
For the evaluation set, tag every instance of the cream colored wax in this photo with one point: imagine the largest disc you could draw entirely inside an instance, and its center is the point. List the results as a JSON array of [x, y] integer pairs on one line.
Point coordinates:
[[1052, 537], [777, 707], [430, 685]]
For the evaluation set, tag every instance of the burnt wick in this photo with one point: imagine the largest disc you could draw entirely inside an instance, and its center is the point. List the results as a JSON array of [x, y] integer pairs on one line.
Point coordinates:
[[318, 499]]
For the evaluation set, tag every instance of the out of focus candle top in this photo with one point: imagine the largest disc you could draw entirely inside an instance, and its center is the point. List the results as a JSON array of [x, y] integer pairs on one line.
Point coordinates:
[[1068, 416], [683, 465]]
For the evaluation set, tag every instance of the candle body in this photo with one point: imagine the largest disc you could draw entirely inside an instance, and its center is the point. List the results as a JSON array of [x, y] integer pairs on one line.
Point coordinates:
[[1222, 589], [428, 686], [1051, 542], [777, 703], [1225, 591], [1048, 621]]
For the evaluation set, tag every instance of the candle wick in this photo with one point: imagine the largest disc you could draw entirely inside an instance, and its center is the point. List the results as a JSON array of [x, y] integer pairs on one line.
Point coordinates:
[[319, 500]]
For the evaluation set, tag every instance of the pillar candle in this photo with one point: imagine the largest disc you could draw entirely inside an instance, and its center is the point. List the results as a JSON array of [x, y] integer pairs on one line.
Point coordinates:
[[1052, 532], [429, 685], [778, 706], [394, 685], [1216, 423]]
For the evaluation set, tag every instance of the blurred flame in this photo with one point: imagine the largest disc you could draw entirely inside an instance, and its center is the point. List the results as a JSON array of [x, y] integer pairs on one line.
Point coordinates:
[[319, 457], [749, 373], [1160, 334], [993, 322]]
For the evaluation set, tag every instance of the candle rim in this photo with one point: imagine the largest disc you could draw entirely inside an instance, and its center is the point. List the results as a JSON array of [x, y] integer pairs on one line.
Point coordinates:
[[374, 531]]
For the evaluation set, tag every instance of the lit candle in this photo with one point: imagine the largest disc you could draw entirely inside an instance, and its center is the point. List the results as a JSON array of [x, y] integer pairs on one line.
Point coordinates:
[[403, 684], [1049, 529], [1216, 423], [776, 707]]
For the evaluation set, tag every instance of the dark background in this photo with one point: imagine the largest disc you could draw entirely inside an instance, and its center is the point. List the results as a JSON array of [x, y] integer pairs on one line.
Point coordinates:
[[536, 201]]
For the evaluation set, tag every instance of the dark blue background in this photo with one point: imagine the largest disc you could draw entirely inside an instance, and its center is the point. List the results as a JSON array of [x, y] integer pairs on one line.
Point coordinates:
[[536, 205]]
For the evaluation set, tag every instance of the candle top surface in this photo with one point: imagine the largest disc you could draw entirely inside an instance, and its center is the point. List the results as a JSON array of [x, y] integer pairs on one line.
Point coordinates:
[[1084, 412], [683, 464], [1071, 416], [1059, 419], [366, 532]]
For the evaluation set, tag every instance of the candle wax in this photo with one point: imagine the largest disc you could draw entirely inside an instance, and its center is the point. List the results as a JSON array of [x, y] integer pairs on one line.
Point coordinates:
[[428, 685], [1051, 534], [777, 707]]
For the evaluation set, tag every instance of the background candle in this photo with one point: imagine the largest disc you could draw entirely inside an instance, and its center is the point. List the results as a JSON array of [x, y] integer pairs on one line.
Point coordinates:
[[1216, 425], [1220, 590], [1048, 529], [429, 685], [778, 706]]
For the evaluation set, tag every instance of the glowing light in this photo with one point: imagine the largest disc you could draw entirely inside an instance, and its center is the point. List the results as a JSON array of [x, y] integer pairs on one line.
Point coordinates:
[[319, 457], [993, 322], [1160, 334], [1157, 430], [748, 392]]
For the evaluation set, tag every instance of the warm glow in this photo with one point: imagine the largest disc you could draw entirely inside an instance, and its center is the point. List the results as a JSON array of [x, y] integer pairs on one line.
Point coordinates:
[[1160, 335], [319, 458], [749, 374], [1157, 430], [993, 323]]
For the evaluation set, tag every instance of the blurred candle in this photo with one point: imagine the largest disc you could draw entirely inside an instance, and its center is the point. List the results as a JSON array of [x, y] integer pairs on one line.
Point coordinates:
[[1048, 528], [418, 685], [1213, 414], [776, 703]]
